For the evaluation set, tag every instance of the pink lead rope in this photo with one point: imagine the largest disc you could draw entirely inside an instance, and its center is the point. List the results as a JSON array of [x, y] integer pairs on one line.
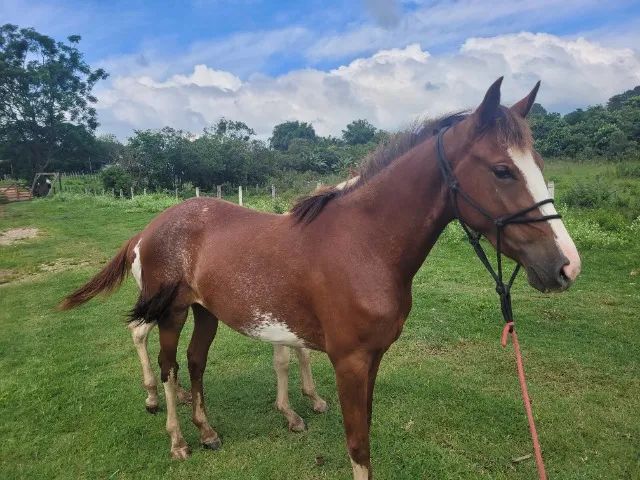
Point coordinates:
[[509, 328]]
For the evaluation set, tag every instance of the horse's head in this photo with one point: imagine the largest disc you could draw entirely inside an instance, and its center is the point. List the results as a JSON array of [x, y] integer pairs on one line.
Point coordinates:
[[500, 169]]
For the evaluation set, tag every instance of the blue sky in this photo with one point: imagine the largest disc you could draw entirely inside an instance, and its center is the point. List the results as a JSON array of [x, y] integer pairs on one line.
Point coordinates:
[[257, 50]]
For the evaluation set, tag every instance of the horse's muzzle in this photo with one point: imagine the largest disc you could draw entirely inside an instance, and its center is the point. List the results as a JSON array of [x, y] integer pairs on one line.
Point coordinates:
[[550, 276]]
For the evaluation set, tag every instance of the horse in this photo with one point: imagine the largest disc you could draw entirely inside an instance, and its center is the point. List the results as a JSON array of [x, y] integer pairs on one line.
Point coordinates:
[[336, 274], [281, 356]]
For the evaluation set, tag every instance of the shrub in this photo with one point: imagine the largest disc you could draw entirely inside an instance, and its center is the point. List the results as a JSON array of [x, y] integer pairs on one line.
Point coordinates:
[[115, 177], [588, 194], [628, 170]]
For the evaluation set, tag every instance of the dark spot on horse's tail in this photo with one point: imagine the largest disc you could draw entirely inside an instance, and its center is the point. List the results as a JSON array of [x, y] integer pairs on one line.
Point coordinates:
[[309, 207], [156, 307]]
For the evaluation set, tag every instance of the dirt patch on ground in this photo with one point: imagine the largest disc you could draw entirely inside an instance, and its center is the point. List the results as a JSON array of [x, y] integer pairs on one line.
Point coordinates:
[[63, 264], [44, 269], [6, 276], [14, 235]]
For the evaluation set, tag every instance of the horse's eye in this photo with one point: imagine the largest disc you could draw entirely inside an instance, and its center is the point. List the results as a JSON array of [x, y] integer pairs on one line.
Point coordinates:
[[502, 172]]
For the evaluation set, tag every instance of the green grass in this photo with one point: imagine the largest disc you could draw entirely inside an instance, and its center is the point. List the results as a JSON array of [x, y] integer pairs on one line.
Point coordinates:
[[447, 401]]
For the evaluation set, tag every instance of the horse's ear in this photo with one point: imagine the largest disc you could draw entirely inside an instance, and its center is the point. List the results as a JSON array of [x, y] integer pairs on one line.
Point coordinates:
[[523, 106], [488, 109]]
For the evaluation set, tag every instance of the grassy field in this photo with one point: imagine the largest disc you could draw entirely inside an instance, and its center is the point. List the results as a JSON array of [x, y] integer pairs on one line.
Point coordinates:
[[447, 402]]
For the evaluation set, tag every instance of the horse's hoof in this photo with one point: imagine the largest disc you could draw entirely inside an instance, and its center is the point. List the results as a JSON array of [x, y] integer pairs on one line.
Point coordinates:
[[320, 406], [297, 425], [212, 444], [180, 453], [153, 409]]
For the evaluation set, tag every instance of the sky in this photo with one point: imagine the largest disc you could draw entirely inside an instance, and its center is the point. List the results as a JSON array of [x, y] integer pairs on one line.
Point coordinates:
[[188, 63]]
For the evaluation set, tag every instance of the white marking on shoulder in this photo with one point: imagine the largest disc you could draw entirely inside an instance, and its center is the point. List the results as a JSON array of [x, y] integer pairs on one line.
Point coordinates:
[[269, 329], [136, 266], [523, 159]]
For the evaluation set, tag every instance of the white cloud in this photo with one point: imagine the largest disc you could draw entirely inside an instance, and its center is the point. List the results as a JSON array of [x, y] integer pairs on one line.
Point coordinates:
[[390, 88], [202, 76]]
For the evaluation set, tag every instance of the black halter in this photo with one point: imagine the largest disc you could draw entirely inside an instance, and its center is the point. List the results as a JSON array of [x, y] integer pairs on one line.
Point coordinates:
[[503, 289]]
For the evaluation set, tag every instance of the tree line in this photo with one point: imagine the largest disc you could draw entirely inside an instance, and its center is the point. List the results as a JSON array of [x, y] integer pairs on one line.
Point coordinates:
[[48, 121]]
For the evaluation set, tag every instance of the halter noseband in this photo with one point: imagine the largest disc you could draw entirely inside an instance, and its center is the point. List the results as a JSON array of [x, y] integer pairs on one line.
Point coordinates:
[[520, 217]]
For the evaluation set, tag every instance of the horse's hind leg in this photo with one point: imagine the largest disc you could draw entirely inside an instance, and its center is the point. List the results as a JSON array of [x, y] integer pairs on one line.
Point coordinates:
[[140, 334], [204, 331], [308, 386], [281, 366], [170, 328]]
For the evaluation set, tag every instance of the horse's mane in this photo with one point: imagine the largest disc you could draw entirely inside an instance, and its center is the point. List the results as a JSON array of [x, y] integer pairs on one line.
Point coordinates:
[[510, 129]]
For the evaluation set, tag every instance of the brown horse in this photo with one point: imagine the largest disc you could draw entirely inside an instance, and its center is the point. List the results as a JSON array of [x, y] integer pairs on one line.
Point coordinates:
[[336, 274]]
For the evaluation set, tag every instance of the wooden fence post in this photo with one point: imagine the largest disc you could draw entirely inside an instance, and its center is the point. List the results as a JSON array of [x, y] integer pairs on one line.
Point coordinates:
[[197, 191], [552, 189], [113, 192], [176, 193], [219, 191], [121, 194], [144, 191], [240, 195], [131, 192], [273, 192]]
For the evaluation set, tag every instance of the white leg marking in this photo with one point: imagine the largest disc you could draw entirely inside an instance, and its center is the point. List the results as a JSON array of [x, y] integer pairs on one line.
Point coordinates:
[[179, 448], [308, 386], [136, 266], [208, 435], [538, 190], [281, 366], [140, 334], [360, 472]]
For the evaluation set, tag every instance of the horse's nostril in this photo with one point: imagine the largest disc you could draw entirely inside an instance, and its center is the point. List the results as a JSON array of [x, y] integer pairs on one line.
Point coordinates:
[[563, 276]]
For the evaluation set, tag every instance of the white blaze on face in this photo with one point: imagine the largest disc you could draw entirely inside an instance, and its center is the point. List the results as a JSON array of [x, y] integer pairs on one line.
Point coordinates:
[[136, 266], [523, 159], [269, 329]]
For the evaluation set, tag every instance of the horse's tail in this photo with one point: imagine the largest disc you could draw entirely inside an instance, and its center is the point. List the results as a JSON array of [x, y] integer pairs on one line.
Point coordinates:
[[107, 280]]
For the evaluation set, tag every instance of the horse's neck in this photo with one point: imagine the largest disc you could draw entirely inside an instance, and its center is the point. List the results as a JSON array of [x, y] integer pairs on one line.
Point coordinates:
[[406, 209]]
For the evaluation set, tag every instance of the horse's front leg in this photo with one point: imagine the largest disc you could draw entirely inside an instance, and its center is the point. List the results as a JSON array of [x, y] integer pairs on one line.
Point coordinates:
[[353, 378]]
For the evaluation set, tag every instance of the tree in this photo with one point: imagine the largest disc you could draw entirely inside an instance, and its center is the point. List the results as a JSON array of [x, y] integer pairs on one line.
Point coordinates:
[[618, 101], [285, 132], [537, 109], [359, 132], [232, 129], [158, 158], [46, 105]]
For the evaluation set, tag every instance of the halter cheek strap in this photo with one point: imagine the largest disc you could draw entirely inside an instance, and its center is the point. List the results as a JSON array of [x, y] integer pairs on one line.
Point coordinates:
[[520, 217], [503, 289]]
